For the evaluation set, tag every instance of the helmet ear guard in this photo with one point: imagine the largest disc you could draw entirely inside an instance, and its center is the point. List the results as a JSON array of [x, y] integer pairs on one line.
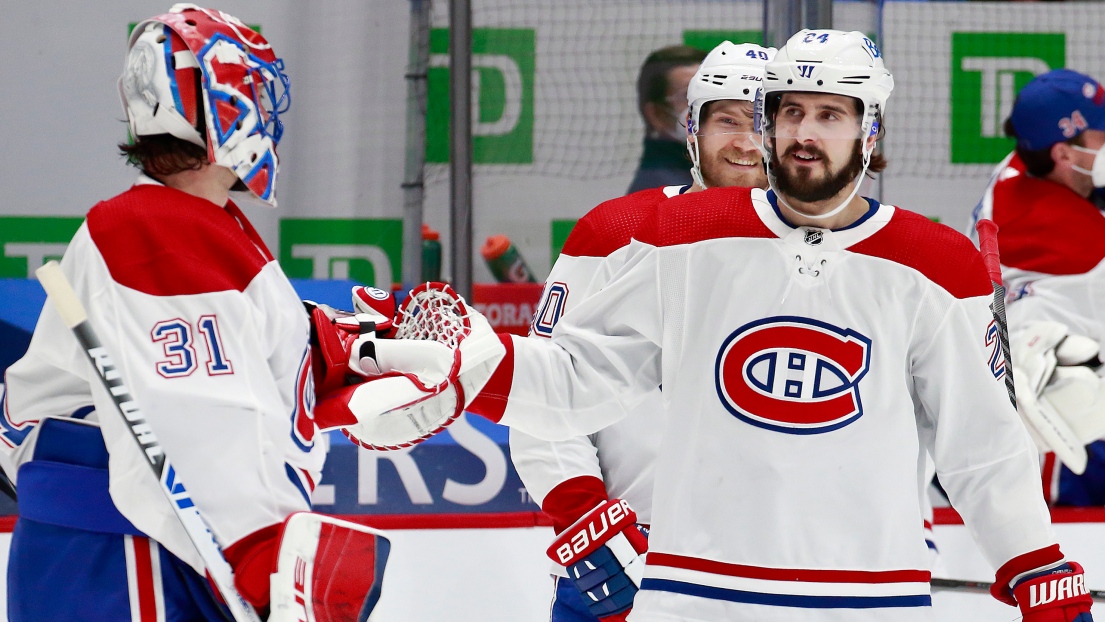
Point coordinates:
[[233, 108]]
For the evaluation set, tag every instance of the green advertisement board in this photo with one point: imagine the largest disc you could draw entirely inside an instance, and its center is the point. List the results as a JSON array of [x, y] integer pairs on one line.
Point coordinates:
[[988, 70], [27, 242], [367, 250], [503, 61], [707, 40]]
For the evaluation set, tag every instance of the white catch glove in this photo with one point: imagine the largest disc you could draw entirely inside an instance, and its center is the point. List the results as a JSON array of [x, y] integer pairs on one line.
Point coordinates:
[[413, 388], [1059, 395]]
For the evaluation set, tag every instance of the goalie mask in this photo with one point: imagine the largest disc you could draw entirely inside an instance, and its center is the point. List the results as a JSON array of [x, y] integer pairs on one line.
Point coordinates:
[[729, 71], [205, 77], [830, 62]]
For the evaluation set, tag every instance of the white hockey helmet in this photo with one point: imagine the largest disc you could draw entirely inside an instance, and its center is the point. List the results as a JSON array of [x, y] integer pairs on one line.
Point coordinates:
[[195, 70], [832, 62], [729, 71]]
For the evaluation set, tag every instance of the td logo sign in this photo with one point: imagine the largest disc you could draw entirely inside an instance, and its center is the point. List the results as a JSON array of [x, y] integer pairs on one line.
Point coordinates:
[[988, 70], [28, 242], [502, 96], [367, 250]]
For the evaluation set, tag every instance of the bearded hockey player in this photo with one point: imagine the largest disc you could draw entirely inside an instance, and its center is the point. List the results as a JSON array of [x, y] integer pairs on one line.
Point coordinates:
[[211, 339], [1051, 236], [811, 345], [570, 478]]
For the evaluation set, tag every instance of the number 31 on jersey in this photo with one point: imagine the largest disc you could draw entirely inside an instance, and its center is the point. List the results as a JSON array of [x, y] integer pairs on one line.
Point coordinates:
[[178, 347]]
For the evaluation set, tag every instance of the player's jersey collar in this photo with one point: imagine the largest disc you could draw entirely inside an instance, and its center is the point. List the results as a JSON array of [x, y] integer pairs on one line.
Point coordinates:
[[878, 214]]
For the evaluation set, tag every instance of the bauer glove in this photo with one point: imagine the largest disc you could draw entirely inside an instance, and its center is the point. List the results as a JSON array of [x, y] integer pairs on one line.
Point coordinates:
[[603, 553]]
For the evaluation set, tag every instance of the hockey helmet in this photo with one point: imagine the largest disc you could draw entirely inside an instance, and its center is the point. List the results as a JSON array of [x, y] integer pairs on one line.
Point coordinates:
[[833, 62], [729, 71], [205, 77]]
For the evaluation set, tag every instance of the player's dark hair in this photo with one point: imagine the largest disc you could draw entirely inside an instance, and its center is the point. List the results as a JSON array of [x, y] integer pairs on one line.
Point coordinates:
[[653, 82], [1037, 162], [161, 155]]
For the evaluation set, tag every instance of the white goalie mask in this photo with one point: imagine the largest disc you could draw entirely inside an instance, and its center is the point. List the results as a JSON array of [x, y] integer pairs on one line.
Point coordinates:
[[205, 77], [832, 62], [729, 71]]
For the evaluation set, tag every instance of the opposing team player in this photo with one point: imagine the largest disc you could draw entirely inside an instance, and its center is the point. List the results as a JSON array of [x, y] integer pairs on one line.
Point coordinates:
[[570, 478], [811, 345], [210, 338], [1052, 241]]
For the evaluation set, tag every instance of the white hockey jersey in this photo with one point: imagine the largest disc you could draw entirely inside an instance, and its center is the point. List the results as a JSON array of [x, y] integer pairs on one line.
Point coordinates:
[[621, 456], [806, 371], [211, 339], [1052, 246]]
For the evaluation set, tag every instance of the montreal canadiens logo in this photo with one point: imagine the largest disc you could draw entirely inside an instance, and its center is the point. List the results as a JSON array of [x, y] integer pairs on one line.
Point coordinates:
[[793, 374]]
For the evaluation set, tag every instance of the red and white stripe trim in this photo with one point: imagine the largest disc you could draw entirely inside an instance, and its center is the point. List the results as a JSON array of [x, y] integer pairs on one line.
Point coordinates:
[[786, 581], [147, 597]]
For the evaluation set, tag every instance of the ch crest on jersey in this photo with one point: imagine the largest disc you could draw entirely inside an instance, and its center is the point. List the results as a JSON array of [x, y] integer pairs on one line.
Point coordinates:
[[793, 374]]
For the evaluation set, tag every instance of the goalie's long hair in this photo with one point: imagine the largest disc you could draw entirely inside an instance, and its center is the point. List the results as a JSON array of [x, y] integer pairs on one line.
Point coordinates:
[[162, 155]]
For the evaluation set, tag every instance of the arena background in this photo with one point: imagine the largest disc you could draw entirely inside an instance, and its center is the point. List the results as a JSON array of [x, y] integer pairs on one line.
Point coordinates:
[[556, 132]]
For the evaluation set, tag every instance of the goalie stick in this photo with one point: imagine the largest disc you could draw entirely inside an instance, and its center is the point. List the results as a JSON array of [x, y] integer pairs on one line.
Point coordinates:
[[72, 313], [959, 585], [988, 245]]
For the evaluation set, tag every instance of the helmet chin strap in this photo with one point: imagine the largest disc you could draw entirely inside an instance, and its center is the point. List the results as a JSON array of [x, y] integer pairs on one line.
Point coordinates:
[[696, 166]]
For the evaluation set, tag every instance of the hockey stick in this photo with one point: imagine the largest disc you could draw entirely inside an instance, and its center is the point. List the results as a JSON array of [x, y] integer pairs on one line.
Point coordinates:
[[72, 313], [959, 585], [988, 245]]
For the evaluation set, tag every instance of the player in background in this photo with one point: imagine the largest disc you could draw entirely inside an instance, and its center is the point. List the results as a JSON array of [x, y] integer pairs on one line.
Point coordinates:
[[1051, 236], [811, 345], [570, 478], [661, 100], [210, 337]]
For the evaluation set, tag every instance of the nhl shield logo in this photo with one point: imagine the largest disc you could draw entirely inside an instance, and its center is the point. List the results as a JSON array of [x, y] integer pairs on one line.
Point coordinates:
[[814, 237], [793, 374]]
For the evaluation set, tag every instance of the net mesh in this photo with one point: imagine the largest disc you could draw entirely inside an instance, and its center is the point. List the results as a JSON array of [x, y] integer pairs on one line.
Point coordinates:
[[957, 70], [554, 83], [434, 312]]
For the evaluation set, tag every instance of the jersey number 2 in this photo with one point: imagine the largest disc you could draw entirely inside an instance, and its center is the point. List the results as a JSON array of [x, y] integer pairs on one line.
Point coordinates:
[[177, 342]]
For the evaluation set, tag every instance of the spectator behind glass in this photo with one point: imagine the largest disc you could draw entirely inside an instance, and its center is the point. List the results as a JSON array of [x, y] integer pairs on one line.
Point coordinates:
[[662, 101]]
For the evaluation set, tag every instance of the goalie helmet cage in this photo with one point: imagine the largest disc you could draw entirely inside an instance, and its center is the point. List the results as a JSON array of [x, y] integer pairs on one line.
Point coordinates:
[[553, 87]]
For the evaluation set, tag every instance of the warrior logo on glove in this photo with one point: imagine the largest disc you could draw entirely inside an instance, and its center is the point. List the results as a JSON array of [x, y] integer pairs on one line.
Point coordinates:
[[793, 375]]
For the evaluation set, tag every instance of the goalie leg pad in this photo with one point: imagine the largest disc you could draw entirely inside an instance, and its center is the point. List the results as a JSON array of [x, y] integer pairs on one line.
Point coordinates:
[[328, 570]]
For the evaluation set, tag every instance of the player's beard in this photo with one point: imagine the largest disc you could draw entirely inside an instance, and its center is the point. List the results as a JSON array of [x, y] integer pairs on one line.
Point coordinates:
[[716, 173], [804, 186]]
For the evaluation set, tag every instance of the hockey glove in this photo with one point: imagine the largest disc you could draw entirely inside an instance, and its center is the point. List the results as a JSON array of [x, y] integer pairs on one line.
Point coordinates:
[[413, 388], [1052, 592], [333, 332], [1060, 397], [603, 553], [379, 305]]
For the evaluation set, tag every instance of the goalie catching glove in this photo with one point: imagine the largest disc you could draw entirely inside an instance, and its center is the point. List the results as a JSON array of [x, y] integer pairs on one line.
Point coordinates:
[[419, 382], [603, 553], [1059, 395]]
